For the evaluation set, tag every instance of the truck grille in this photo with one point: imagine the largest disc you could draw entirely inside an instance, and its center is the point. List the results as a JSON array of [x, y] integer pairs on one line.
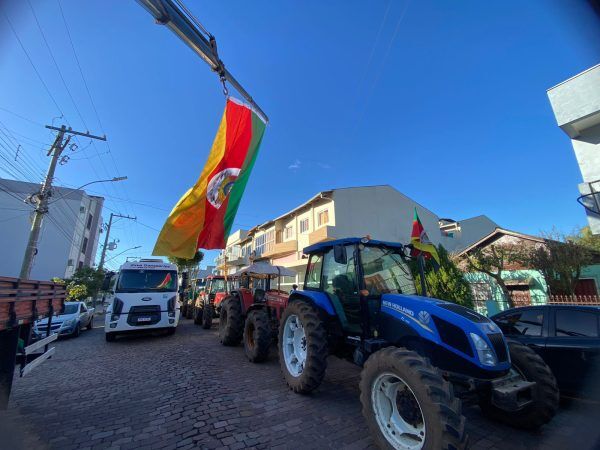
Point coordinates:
[[453, 336], [499, 346], [143, 315]]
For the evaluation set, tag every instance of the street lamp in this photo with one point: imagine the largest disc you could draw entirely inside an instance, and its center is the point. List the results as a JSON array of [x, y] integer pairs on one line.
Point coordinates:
[[124, 251], [111, 180]]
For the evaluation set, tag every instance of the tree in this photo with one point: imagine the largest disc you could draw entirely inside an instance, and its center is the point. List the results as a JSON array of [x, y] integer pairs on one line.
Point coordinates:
[[187, 264], [89, 277], [76, 292], [560, 260], [493, 260], [448, 282], [585, 238]]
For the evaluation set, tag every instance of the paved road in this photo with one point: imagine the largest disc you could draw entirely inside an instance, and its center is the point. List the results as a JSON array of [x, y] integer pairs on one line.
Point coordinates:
[[187, 391]]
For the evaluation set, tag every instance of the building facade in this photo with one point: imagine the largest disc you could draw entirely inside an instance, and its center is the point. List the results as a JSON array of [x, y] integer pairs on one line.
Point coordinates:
[[576, 105], [379, 211], [69, 234]]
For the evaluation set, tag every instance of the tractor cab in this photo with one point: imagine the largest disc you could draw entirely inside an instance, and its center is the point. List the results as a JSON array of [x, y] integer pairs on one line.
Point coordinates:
[[260, 283], [355, 274]]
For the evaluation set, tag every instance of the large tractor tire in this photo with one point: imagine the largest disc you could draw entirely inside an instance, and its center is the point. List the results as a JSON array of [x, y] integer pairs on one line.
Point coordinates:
[[302, 347], [207, 317], [198, 314], [408, 405], [189, 312], [257, 336], [545, 394], [231, 323]]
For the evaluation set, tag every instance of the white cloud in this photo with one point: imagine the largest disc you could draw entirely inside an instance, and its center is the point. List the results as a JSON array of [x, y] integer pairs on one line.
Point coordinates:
[[295, 165]]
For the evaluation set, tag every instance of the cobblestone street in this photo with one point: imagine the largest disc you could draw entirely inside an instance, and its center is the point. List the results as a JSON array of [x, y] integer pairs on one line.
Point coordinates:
[[188, 391]]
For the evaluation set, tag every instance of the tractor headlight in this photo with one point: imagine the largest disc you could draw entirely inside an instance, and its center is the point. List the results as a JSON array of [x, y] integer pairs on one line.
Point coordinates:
[[484, 352]]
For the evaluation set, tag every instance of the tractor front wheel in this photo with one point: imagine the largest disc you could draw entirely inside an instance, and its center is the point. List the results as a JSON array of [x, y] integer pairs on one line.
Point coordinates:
[[231, 323], [207, 317], [302, 347], [408, 405], [257, 336], [545, 395]]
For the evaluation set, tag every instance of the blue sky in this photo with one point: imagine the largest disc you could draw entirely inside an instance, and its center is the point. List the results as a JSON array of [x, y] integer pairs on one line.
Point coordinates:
[[444, 100]]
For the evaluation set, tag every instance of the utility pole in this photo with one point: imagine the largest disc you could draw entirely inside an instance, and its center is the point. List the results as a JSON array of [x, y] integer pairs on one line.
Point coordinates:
[[40, 199], [103, 256]]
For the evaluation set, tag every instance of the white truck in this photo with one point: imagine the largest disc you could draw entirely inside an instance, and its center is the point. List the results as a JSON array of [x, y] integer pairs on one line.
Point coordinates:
[[145, 298]]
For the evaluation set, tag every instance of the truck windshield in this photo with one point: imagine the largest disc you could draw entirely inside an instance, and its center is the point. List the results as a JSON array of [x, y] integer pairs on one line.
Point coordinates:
[[386, 271], [147, 281], [217, 285]]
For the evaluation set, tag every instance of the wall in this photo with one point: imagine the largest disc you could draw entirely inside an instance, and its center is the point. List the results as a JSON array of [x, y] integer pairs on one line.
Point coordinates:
[[593, 272], [381, 212]]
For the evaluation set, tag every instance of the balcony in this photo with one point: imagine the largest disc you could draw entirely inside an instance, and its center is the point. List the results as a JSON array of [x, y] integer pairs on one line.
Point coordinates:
[[320, 234], [281, 249]]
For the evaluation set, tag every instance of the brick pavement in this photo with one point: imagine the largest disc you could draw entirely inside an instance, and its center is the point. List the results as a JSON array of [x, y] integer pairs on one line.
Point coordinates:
[[188, 391]]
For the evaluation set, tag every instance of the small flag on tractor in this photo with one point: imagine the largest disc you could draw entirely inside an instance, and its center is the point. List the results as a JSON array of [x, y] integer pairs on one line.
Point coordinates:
[[204, 215], [421, 243]]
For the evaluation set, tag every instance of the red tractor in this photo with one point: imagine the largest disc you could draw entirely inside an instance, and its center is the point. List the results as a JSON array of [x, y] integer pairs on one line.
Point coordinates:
[[252, 311], [217, 288]]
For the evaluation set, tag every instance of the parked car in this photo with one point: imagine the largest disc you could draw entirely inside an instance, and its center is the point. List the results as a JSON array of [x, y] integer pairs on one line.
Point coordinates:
[[567, 337], [74, 318]]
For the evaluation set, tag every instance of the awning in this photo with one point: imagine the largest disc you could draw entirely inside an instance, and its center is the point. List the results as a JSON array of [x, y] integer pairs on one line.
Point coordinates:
[[265, 269]]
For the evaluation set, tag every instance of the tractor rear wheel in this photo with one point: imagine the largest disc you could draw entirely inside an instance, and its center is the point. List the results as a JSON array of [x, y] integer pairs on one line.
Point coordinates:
[[302, 347], [545, 395], [257, 336], [408, 405], [231, 324], [207, 317], [198, 314], [189, 312]]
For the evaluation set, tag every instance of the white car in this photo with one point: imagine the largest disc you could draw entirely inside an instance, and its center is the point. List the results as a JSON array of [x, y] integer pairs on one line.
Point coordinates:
[[75, 317], [145, 298]]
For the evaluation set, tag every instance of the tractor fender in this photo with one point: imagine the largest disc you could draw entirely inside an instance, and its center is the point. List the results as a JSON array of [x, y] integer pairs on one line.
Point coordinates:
[[319, 299], [256, 306]]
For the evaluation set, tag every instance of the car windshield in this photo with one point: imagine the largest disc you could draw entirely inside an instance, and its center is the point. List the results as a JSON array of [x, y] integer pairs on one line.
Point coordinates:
[[147, 281], [71, 309], [386, 271], [217, 285]]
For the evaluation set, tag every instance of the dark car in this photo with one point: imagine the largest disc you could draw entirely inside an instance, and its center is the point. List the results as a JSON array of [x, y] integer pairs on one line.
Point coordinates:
[[566, 336]]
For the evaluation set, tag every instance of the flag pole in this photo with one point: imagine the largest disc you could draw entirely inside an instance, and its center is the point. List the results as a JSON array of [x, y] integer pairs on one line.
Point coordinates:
[[421, 262]]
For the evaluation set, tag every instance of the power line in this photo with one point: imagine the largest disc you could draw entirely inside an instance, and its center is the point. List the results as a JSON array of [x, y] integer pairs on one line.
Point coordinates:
[[32, 63], [20, 116]]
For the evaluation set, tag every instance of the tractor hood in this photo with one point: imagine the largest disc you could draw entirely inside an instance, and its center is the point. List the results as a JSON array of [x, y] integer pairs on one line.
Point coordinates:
[[458, 330]]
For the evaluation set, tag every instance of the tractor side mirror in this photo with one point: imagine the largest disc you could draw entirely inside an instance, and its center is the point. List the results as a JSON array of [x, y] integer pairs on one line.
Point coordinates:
[[339, 254]]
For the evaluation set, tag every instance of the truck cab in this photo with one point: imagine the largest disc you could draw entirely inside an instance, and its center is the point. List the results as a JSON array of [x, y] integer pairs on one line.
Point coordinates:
[[145, 298]]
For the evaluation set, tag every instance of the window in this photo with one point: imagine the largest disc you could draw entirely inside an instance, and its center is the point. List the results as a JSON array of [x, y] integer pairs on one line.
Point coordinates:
[[70, 263], [289, 232], [313, 272], [84, 245], [303, 225], [89, 222], [386, 272], [323, 217], [340, 277], [527, 323], [259, 244], [82, 209], [80, 265], [270, 240], [83, 308], [570, 322]]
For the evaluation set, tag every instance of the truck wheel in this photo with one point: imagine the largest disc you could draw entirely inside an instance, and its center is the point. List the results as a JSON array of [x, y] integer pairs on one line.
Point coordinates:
[[171, 331], [198, 312], [231, 325], [189, 313], [110, 337], [545, 394], [302, 347], [207, 317], [257, 336], [408, 405]]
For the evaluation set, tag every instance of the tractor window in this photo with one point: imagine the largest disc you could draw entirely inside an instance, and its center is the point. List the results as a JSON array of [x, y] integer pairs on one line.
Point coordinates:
[[340, 283], [313, 272], [386, 272]]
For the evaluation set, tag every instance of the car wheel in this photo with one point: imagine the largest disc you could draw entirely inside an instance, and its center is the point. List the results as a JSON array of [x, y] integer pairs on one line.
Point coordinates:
[[90, 324], [77, 331]]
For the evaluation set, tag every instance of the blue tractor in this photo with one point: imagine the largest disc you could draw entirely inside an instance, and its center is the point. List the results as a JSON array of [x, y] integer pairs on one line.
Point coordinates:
[[421, 356]]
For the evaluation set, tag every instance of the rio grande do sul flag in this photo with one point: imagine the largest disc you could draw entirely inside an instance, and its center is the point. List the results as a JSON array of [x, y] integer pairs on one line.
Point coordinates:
[[420, 241], [204, 215]]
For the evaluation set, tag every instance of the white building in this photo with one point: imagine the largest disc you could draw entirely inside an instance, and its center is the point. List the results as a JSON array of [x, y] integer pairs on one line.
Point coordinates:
[[69, 234], [576, 105], [379, 211]]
